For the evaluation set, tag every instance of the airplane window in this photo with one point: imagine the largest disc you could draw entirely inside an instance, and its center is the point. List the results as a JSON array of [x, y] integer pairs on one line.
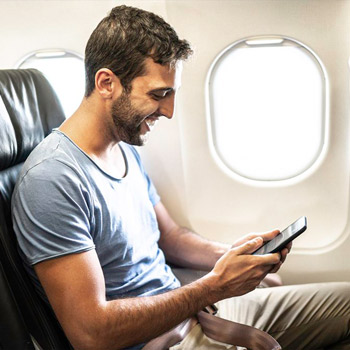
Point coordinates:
[[64, 70], [267, 108]]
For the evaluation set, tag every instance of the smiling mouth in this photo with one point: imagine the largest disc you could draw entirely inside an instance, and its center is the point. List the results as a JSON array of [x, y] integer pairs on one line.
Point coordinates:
[[150, 122]]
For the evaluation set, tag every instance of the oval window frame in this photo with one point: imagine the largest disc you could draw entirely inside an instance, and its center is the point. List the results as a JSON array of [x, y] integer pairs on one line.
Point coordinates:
[[268, 40]]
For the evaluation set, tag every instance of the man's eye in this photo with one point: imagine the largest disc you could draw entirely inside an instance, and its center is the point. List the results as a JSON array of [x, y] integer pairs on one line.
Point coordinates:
[[158, 96]]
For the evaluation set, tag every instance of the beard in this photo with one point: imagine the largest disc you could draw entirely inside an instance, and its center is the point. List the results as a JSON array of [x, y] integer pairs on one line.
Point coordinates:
[[127, 121]]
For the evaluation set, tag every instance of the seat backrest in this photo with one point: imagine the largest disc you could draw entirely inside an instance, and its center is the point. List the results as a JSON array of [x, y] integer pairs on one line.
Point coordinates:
[[29, 110], [13, 332]]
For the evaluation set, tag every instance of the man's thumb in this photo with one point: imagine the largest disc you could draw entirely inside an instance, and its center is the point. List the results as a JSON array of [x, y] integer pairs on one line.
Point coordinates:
[[250, 246]]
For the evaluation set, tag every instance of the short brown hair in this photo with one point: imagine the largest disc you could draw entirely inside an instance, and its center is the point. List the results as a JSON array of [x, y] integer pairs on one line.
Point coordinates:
[[124, 39]]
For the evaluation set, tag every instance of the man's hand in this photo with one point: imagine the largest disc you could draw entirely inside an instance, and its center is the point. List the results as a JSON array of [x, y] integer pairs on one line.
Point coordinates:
[[238, 272], [266, 236]]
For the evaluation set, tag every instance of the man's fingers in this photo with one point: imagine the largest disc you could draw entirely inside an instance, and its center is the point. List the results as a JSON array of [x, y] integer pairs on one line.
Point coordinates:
[[271, 259], [289, 246], [284, 253], [267, 236], [276, 267], [249, 247]]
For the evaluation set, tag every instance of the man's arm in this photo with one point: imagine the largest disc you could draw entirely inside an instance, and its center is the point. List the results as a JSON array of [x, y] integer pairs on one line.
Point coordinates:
[[75, 287], [185, 248]]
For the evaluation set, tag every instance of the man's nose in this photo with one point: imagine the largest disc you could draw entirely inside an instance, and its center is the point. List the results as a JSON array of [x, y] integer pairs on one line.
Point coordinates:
[[166, 107]]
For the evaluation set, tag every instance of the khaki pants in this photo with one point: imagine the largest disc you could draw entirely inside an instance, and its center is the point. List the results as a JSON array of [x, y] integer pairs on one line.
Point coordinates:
[[301, 317]]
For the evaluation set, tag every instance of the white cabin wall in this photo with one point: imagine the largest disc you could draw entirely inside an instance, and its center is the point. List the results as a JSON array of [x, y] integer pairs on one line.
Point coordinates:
[[28, 25]]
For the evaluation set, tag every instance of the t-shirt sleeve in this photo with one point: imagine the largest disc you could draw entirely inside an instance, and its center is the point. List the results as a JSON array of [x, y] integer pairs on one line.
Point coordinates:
[[51, 213]]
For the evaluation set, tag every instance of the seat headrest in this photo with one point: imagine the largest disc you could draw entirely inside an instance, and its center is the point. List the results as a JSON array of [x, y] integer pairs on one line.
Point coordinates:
[[29, 110]]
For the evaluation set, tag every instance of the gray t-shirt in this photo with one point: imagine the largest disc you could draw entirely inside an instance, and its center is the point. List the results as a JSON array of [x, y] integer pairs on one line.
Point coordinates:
[[64, 203]]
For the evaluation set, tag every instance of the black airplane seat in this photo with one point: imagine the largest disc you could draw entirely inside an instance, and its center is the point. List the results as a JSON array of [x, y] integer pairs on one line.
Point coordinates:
[[29, 110]]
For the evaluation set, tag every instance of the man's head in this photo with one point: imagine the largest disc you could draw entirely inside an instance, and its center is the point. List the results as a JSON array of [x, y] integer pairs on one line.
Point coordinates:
[[124, 39], [134, 113]]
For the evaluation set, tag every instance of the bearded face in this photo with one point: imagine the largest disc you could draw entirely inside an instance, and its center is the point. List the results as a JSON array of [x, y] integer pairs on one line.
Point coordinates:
[[132, 124], [127, 120]]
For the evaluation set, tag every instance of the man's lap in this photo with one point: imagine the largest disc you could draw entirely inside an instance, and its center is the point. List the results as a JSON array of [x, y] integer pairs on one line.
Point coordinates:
[[310, 316]]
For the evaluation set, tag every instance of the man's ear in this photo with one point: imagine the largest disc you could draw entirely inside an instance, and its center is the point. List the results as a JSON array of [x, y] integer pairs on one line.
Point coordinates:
[[107, 84]]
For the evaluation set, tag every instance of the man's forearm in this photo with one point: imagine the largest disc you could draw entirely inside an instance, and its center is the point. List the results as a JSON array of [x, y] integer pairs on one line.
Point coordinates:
[[75, 288], [124, 322], [186, 248]]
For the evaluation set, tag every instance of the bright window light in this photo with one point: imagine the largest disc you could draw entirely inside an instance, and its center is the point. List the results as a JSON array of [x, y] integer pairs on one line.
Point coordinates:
[[65, 72], [267, 109]]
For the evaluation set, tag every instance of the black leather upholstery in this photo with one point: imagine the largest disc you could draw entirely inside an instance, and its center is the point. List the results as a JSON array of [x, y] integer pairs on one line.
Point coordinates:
[[29, 109]]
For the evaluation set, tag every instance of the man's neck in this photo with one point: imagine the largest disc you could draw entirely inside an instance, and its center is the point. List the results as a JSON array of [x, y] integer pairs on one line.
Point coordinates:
[[88, 129]]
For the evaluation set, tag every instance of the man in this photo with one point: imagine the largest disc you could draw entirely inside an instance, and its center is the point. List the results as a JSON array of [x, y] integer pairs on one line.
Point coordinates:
[[94, 234]]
